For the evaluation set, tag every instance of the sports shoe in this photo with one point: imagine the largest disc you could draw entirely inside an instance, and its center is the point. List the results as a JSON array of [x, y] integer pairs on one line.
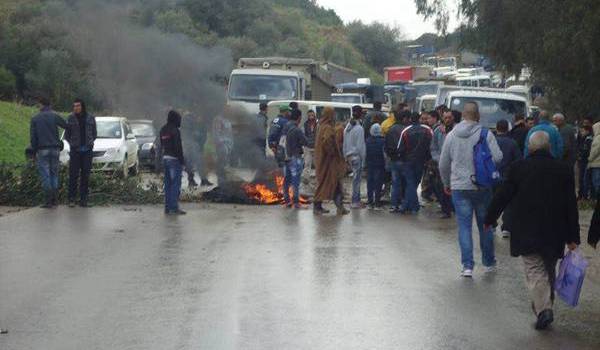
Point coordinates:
[[490, 269], [394, 210], [505, 234], [467, 273], [545, 318], [357, 205]]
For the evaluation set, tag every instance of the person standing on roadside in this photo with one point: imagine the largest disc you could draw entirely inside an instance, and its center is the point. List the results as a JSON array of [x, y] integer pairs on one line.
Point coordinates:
[[375, 161], [510, 154], [429, 172], [81, 134], [585, 137], [329, 164], [568, 135], [541, 190], [392, 139], [261, 124], [46, 145], [414, 151], [594, 161], [439, 136], [310, 132], [276, 130], [374, 116], [173, 162], [556, 141], [294, 164], [355, 152], [519, 131], [457, 170]]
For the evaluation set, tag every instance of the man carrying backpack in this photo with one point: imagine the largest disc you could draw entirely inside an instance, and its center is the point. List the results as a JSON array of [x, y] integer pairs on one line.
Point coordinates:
[[463, 170]]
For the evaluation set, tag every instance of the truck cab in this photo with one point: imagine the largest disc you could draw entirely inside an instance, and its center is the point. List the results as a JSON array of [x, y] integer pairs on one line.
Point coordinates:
[[250, 87]]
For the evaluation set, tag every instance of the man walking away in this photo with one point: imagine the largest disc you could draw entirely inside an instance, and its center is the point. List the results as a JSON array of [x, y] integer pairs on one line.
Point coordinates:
[[173, 161], [544, 220], [457, 170], [81, 134], [510, 154], [585, 138], [310, 132], [375, 167], [413, 148], [294, 166], [375, 116], [519, 131], [46, 146], [568, 135], [276, 131], [261, 128], [355, 152], [223, 140], [556, 141], [392, 138]]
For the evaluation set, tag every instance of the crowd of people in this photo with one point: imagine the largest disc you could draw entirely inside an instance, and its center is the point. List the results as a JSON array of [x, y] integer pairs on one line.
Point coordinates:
[[525, 173]]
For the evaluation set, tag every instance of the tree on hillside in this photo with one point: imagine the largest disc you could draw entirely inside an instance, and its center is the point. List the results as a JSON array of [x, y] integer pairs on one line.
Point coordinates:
[[379, 43], [559, 43]]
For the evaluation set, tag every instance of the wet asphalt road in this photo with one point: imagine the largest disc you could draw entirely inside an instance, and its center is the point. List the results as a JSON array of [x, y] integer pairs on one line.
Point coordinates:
[[227, 277]]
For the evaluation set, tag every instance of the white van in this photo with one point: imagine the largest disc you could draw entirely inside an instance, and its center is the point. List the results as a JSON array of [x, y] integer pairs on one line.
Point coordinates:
[[474, 81], [493, 106]]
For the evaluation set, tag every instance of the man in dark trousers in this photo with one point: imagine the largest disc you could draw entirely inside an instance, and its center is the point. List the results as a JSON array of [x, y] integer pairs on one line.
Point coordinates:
[[173, 162], [46, 146], [541, 191], [510, 154], [81, 134], [294, 164], [519, 131]]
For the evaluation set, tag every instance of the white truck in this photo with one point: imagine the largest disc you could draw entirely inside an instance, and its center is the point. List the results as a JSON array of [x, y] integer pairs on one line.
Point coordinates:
[[258, 80]]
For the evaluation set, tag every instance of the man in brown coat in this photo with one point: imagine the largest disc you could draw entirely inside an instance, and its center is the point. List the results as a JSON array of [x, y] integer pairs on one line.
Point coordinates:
[[329, 165]]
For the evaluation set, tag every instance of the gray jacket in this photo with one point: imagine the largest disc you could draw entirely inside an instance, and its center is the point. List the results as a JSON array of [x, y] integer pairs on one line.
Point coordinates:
[[456, 160], [354, 141], [439, 135], [44, 130]]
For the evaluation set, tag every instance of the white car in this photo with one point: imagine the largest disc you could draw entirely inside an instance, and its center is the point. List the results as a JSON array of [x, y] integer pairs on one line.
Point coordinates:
[[115, 149]]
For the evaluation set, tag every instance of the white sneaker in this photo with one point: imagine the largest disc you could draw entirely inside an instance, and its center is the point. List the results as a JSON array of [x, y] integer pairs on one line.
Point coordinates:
[[467, 273], [505, 234], [490, 269]]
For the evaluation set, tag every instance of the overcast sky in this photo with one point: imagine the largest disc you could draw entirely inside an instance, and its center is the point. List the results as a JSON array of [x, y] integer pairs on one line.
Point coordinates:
[[394, 12]]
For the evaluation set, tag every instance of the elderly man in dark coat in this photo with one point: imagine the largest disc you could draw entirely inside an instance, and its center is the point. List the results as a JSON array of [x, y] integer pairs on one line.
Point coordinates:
[[541, 190]]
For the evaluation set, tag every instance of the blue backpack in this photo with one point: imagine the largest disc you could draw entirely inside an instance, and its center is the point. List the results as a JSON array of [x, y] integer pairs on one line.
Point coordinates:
[[486, 173]]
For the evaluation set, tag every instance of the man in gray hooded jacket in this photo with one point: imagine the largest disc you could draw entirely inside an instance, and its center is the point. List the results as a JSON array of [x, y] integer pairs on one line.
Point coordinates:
[[457, 170], [355, 152]]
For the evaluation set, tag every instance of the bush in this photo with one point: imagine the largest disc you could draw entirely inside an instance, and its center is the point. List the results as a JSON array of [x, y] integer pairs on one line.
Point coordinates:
[[7, 84]]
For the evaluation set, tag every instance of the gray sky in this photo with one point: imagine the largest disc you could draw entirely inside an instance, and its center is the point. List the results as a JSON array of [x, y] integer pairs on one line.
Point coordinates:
[[394, 12]]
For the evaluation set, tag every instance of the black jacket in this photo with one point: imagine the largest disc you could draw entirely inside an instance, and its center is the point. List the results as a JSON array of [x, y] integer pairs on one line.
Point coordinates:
[[541, 192], [310, 132], [519, 134], [510, 153], [170, 138], [295, 141], [414, 144], [44, 130], [73, 132], [391, 142]]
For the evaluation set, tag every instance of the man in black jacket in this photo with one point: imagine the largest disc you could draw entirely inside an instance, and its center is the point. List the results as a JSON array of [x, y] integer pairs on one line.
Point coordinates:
[[173, 161], [392, 138], [46, 146], [294, 164], [81, 134], [541, 191]]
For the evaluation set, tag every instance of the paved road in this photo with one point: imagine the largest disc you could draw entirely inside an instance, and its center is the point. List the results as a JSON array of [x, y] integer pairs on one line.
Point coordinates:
[[227, 277]]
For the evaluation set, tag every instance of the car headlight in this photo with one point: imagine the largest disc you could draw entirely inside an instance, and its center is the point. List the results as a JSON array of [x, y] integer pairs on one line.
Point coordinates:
[[147, 146]]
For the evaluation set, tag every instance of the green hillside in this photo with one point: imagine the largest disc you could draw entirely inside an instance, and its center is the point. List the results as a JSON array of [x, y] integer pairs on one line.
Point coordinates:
[[14, 131]]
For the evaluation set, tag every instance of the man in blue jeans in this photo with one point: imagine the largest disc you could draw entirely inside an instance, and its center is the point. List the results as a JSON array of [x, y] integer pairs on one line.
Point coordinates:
[[173, 161], [46, 145], [294, 164], [457, 170], [355, 152]]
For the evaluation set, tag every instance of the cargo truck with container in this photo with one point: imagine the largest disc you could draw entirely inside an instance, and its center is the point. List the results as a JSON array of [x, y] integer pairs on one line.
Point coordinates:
[[406, 73]]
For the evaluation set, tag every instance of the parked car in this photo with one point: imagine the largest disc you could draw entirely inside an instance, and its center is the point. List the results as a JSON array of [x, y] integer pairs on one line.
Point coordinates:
[[145, 135], [115, 149]]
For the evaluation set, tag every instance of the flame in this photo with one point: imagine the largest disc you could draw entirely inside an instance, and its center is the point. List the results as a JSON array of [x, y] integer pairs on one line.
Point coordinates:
[[265, 195]]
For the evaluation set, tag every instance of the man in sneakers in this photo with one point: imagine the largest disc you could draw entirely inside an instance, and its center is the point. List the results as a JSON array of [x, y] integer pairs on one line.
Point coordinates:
[[541, 191], [392, 138], [457, 170], [413, 149], [355, 152], [294, 164]]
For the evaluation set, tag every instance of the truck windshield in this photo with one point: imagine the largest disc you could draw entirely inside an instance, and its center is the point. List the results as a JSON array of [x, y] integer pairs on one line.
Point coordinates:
[[446, 62], [425, 89], [492, 110], [346, 98], [255, 88]]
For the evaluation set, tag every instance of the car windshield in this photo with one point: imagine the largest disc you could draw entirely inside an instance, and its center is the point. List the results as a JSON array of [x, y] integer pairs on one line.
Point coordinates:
[[255, 88], [346, 99], [108, 129], [143, 130], [446, 62], [341, 114], [492, 110]]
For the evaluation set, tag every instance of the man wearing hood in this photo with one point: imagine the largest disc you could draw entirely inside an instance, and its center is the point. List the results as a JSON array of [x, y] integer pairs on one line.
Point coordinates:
[[457, 170], [355, 151], [81, 134], [173, 161]]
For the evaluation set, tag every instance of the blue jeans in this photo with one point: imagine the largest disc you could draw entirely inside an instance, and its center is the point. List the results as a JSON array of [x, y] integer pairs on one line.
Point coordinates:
[[356, 164], [466, 203], [585, 186], [293, 173], [595, 180], [173, 169], [374, 184], [397, 183], [47, 164], [412, 172]]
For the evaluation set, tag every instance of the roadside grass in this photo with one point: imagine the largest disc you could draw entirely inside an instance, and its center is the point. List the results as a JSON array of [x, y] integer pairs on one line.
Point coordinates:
[[14, 131]]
